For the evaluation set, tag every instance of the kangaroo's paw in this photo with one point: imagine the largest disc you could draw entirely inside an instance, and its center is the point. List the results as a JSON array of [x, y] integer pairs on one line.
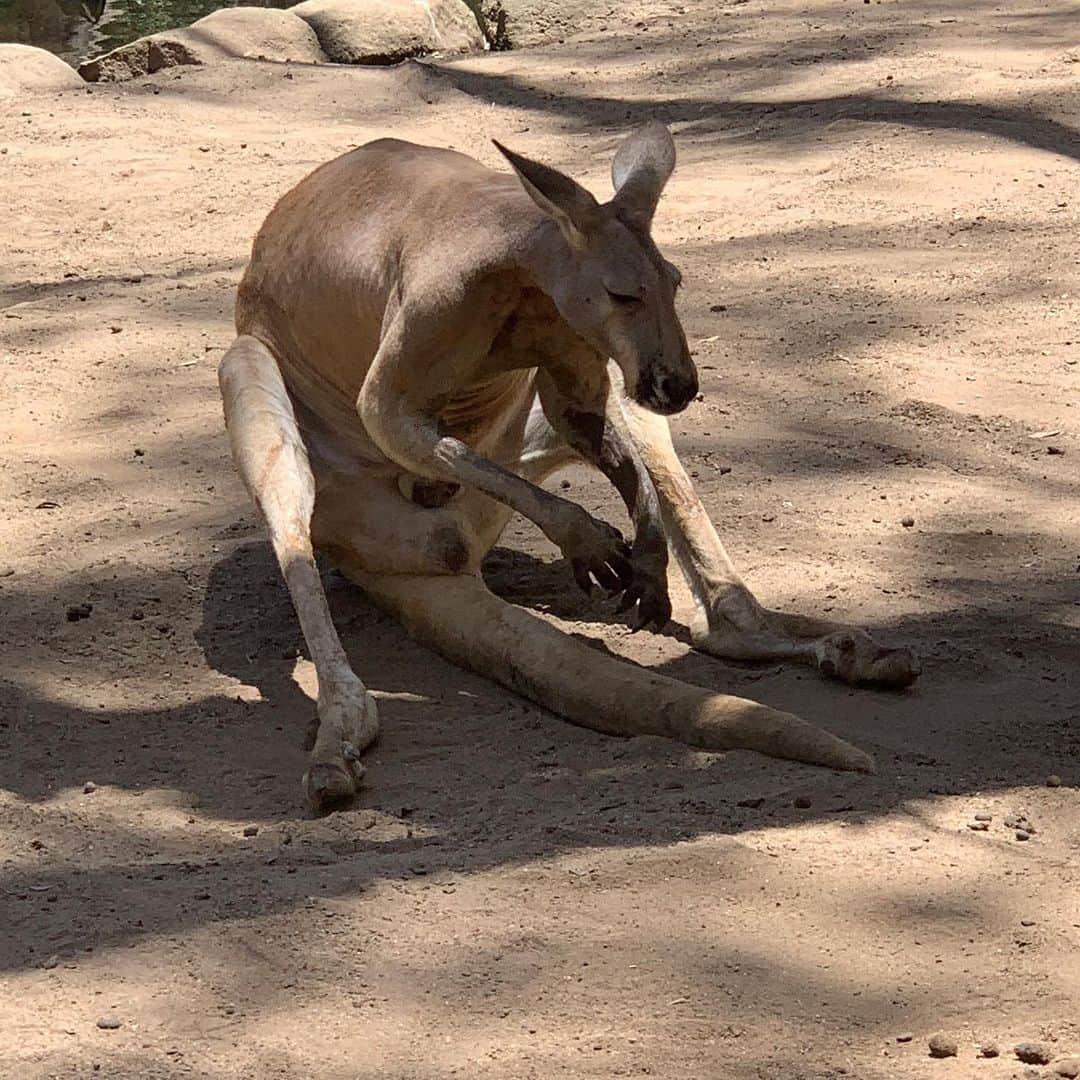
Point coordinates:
[[852, 656]]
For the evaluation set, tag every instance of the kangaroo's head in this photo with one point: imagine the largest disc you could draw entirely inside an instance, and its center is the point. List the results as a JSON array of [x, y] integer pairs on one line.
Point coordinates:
[[608, 280]]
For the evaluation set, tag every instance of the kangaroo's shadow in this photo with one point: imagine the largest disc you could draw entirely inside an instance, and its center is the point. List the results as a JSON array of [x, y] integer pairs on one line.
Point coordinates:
[[249, 629]]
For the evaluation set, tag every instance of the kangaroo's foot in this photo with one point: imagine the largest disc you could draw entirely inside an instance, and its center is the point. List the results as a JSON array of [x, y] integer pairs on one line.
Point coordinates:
[[348, 725], [838, 652]]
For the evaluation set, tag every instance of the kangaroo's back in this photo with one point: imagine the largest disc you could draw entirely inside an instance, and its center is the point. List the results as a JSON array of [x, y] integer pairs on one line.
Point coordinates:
[[339, 248]]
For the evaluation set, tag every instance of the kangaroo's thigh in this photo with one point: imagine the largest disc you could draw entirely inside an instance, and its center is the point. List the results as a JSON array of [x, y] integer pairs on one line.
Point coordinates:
[[375, 518], [382, 530]]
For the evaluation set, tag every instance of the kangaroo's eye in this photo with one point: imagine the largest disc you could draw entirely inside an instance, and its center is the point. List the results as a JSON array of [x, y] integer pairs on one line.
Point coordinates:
[[624, 299]]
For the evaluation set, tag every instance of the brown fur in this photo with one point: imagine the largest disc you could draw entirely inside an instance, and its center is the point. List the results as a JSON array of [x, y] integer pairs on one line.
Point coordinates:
[[421, 341]]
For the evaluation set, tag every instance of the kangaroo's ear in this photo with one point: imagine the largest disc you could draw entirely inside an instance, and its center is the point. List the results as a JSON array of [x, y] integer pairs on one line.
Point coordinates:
[[640, 170], [560, 197]]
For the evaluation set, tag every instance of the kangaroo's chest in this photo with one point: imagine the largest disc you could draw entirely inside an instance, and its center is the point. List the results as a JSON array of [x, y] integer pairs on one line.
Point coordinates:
[[532, 336]]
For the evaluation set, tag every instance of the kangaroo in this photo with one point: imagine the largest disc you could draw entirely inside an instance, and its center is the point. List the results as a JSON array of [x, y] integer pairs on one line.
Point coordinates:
[[421, 342]]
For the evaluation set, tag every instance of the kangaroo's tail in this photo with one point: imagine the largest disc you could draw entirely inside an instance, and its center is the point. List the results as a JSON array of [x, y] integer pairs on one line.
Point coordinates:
[[459, 618]]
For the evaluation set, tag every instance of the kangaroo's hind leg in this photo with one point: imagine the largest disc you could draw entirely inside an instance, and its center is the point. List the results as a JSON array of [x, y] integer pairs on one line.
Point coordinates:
[[273, 462], [729, 621]]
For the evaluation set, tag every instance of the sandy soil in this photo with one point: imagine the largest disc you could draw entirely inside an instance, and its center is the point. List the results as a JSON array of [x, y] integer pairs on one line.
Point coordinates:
[[876, 215]]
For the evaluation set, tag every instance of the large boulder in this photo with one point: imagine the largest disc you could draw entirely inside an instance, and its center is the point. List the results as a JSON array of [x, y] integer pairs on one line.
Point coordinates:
[[257, 33], [249, 33], [26, 70], [387, 31]]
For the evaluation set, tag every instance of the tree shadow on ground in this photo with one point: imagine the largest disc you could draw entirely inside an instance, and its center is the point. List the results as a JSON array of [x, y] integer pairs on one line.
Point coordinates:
[[767, 72], [789, 121]]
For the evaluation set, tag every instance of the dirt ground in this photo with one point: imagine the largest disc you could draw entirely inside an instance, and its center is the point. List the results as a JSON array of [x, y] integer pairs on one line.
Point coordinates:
[[876, 213]]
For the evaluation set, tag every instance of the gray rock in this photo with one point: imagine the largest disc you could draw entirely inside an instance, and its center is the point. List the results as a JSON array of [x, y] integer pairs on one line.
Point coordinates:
[[1068, 1067], [388, 31], [108, 1023], [1032, 1053], [989, 1050], [943, 1046], [25, 70], [247, 33]]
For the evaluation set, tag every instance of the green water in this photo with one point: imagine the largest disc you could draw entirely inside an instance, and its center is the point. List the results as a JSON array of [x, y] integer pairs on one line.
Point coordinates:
[[68, 27]]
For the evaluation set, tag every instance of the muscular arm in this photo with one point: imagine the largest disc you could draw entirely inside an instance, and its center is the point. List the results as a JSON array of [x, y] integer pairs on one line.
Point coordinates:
[[417, 367], [577, 398]]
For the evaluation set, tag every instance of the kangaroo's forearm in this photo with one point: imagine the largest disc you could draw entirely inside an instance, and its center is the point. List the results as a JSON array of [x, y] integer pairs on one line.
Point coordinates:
[[601, 437], [610, 449], [461, 463], [414, 442]]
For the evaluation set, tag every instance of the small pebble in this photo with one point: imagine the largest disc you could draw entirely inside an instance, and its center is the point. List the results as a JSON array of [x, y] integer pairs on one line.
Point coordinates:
[[802, 803], [1022, 834], [989, 1050], [1068, 1067], [1053, 780], [1027, 922], [906, 1037], [79, 611], [984, 817], [251, 830], [50, 962], [89, 787], [108, 1023], [907, 522], [943, 1046], [1033, 1053], [979, 826]]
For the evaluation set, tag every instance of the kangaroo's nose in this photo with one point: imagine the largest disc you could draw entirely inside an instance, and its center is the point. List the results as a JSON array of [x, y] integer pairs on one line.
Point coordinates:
[[677, 391]]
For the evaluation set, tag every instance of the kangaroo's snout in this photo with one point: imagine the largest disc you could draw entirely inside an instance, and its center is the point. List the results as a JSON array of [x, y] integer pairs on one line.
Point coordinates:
[[665, 392]]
